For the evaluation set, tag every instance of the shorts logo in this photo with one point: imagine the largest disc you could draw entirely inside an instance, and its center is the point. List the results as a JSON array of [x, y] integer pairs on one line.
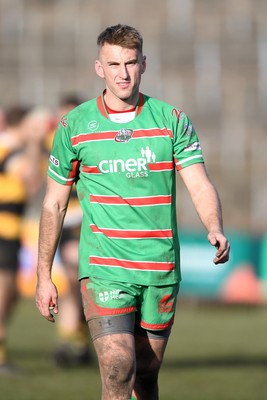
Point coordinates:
[[103, 296], [124, 135], [166, 304], [111, 295]]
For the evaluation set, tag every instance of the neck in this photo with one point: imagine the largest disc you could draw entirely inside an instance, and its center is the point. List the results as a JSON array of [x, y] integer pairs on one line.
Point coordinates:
[[117, 104]]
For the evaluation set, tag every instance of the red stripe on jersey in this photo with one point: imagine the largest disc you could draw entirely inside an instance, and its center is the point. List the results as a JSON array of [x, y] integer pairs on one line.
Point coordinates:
[[86, 137], [73, 172], [156, 132], [90, 169], [134, 265], [178, 166], [161, 166], [131, 201], [110, 135], [133, 234]]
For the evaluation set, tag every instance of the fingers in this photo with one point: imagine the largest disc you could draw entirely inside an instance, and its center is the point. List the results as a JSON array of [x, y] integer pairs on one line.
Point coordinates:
[[221, 257], [53, 304], [45, 311], [223, 247], [50, 317], [46, 302]]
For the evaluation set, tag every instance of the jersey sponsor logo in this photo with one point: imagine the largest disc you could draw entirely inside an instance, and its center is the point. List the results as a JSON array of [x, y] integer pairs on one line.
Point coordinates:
[[132, 167], [124, 135], [54, 160]]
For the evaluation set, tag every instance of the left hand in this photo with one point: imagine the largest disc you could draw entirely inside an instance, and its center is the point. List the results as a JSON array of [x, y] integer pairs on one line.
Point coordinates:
[[218, 240]]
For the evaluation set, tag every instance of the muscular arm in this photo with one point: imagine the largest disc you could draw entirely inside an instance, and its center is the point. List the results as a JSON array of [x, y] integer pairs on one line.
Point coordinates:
[[207, 203], [52, 217]]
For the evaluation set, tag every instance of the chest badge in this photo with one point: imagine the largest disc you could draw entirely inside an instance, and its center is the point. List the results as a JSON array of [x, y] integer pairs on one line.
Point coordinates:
[[124, 135]]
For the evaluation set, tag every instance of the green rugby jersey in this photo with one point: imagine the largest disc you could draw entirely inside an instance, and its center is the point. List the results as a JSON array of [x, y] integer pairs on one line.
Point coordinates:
[[125, 178]]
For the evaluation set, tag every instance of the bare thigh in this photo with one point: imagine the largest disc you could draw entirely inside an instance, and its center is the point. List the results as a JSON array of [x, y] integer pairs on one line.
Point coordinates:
[[149, 357]]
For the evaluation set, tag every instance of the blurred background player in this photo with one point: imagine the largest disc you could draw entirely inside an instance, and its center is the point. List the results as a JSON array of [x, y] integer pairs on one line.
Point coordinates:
[[20, 179], [2, 121], [72, 349]]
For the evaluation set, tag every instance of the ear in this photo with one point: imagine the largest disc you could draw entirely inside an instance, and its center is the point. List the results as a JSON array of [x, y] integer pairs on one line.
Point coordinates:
[[143, 65], [99, 69]]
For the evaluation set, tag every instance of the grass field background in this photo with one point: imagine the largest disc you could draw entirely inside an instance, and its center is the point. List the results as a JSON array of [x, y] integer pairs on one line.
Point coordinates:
[[215, 353]]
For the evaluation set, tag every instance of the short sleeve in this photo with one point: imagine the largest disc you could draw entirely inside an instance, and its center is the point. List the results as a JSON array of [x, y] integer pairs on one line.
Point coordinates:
[[187, 148], [63, 163]]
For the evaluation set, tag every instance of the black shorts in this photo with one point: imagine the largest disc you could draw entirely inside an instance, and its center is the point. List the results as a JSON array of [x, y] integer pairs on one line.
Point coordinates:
[[69, 233], [9, 254]]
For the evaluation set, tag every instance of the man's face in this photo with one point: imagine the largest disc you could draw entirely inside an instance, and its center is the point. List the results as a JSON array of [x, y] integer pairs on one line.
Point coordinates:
[[122, 69]]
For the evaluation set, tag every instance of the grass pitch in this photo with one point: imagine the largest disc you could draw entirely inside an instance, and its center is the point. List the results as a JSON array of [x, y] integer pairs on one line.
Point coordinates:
[[214, 353]]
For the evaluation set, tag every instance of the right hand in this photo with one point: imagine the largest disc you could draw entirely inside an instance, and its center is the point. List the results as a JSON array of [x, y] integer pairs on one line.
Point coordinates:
[[46, 293], [218, 240]]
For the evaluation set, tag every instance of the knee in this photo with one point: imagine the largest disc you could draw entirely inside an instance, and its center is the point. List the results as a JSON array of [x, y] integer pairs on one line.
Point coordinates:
[[119, 368]]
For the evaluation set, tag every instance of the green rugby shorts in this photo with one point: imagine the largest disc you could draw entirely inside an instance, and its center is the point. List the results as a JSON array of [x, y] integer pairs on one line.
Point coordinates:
[[154, 306]]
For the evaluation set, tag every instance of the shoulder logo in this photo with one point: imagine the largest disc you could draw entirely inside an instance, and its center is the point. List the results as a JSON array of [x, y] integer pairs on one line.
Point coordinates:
[[179, 114], [124, 135], [63, 122]]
